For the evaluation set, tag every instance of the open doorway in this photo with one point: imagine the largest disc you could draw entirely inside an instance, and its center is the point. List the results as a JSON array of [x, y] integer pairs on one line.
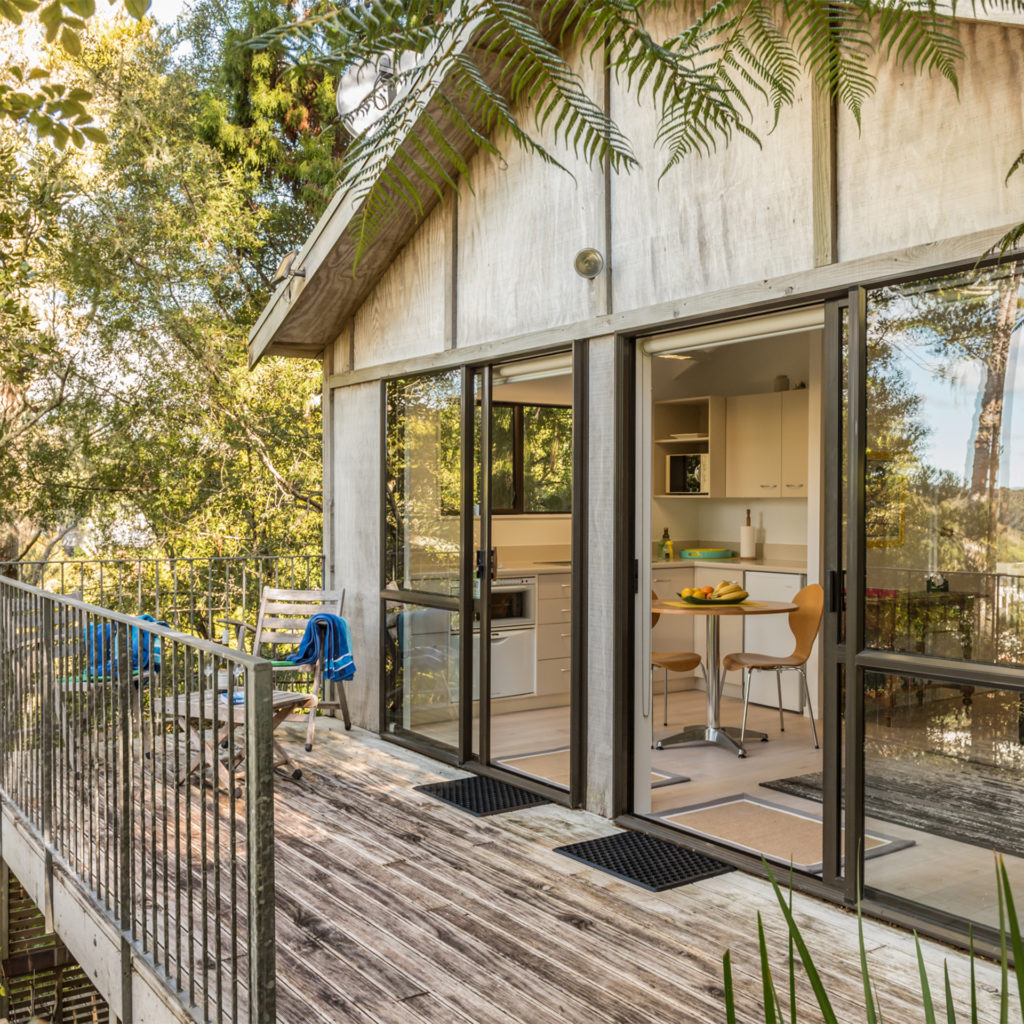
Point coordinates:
[[730, 437]]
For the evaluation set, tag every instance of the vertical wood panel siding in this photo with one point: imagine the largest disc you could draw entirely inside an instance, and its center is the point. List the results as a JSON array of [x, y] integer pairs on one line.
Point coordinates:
[[925, 165]]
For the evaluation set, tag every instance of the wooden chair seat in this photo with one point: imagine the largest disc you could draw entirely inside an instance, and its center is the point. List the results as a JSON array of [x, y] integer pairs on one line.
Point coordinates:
[[676, 661], [743, 659]]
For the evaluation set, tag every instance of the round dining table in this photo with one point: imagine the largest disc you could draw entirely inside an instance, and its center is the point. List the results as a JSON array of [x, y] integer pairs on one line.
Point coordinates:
[[714, 732]]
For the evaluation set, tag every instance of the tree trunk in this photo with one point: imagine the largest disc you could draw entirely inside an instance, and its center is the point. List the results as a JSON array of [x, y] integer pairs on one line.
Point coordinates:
[[985, 469]]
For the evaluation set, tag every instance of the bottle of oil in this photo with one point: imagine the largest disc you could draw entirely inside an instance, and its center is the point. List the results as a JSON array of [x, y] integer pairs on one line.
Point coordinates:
[[665, 547]]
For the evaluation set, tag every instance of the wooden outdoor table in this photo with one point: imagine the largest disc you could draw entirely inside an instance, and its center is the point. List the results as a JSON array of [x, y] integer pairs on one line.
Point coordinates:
[[714, 732], [210, 720]]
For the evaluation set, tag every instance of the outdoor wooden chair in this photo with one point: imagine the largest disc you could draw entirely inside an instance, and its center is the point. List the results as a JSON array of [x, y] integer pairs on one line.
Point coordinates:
[[281, 623]]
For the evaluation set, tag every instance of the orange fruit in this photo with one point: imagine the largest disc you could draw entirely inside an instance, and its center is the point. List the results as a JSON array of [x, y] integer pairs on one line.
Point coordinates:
[[707, 591]]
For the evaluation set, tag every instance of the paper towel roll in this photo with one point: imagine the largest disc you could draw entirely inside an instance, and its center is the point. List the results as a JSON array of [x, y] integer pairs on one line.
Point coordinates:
[[748, 546]]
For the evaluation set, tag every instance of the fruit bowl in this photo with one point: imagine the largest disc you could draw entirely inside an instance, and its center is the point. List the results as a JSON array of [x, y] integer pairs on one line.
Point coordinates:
[[712, 600]]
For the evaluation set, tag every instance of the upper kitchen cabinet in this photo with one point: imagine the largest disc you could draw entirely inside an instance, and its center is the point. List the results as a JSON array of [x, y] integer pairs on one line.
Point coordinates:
[[689, 447], [766, 438]]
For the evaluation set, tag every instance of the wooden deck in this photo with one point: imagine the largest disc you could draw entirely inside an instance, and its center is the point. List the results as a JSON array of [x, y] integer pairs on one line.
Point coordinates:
[[394, 908]]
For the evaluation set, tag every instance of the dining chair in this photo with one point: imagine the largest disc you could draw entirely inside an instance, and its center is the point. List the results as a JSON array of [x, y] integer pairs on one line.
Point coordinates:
[[804, 623], [671, 661]]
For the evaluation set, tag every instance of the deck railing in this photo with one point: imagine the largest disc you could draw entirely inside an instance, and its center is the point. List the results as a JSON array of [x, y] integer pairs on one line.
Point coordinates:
[[110, 762], [189, 593]]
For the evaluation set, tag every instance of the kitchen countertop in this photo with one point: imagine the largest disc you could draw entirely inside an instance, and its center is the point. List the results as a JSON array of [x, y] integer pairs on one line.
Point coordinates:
[[743, 564]]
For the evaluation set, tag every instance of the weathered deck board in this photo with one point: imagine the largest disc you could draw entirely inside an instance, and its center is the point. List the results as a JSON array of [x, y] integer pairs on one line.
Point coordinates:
[[435, 916]]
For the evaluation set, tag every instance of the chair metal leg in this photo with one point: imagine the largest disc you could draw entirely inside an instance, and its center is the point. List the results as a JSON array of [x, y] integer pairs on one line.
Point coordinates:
[[665, 693], [745, 686], [810, 706], [778, 689]]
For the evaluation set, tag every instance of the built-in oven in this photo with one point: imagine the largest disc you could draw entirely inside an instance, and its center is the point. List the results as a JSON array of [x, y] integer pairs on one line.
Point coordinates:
[[513, 602], [513, 658]]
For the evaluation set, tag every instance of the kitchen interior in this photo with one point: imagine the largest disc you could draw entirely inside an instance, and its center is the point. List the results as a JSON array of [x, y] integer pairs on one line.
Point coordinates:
[[733, 431]]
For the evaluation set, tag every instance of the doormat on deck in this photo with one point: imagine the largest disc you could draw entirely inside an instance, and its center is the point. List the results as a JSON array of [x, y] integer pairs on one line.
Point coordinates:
[[481, 795], [644, 860]]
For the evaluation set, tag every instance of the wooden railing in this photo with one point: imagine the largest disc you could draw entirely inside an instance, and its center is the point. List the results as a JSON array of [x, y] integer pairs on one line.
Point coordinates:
[[113, 777]]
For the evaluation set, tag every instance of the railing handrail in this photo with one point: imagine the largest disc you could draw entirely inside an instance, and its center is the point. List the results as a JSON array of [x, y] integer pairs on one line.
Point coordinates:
[[156, 628], [105, 806]]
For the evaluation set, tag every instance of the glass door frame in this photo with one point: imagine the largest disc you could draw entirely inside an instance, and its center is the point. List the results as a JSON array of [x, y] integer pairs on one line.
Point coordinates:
[[846, 595], [469, 603]]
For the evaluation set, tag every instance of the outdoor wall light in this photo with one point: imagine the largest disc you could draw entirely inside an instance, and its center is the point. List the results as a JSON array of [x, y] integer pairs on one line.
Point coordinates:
[[588, 263], [286, 269]]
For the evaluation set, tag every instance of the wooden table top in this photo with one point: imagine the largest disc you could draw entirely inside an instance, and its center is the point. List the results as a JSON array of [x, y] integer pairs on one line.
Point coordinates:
[[748, 607]]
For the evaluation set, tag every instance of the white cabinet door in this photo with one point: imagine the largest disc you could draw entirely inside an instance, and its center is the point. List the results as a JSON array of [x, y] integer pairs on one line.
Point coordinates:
[[794, 444], [753, 445], [770, 634], [673, 632]]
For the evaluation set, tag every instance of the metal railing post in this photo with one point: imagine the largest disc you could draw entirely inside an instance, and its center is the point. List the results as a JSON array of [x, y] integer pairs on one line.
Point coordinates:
[[259, 761], [49, 710]]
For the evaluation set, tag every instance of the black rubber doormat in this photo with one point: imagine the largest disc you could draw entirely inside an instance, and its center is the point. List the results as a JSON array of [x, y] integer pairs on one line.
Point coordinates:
[[481, 795], [645, 860]]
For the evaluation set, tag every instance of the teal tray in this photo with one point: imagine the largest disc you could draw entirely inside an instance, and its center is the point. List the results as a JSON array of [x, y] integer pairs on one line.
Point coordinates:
[[706, 553]]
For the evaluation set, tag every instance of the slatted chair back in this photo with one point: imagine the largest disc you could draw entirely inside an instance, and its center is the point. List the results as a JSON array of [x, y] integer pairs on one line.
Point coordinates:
[[285, 613], [282, 622]]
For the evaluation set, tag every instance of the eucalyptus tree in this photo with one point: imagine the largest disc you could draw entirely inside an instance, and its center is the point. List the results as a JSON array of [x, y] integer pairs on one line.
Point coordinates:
[[468, 69]]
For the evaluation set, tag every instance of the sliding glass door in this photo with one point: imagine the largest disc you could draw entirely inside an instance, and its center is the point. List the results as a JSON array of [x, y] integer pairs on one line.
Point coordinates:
[[426, 599], [930, 633], [478, 622]]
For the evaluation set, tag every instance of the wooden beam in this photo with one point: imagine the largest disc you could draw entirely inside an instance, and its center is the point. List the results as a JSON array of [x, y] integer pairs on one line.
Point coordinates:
[[451, 274], [825, 195], [804, 287]]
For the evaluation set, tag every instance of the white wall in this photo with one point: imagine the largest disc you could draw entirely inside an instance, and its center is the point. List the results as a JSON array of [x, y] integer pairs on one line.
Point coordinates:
[[357, 555]]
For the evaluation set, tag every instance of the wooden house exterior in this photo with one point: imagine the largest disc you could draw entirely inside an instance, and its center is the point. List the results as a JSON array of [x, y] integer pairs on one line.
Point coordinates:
[[801, 266]]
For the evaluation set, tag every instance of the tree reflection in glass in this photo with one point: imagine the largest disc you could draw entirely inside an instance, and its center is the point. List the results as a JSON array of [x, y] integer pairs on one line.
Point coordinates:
[[423, 474], [944, 471]]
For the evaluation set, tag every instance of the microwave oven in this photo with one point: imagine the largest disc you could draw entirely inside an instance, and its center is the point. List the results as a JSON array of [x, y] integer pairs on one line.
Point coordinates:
[[686, 474]]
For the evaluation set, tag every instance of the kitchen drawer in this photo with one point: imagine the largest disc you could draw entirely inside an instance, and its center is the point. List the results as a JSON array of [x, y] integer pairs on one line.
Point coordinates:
[[667, 580], [554, 641], [553, 676], [556, 584], [553, 609]]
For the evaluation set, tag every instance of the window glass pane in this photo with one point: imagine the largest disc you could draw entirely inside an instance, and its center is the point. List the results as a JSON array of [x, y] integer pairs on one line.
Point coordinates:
[[423, 480], [422, 672], [942, 790], [944, 472], [503, 451], [547, 459]]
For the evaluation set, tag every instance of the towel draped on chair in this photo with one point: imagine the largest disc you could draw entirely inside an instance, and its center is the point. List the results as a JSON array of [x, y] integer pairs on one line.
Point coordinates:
[[337, 646]]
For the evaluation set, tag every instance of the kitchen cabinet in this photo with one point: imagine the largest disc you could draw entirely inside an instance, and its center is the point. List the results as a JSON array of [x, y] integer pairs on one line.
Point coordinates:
[[673, 632], [766, 442], [794, 444], [689, 432], [554, 634]]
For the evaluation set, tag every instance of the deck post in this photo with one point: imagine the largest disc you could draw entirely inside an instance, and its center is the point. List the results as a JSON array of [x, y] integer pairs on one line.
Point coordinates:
[[48, 753], [259, 782]]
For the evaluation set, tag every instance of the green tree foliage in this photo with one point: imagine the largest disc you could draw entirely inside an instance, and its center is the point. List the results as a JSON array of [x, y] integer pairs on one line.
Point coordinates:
[[157, 261]]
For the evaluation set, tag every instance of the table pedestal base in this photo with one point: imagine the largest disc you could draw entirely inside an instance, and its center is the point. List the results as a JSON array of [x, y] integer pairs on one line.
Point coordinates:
[[701, 735]]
